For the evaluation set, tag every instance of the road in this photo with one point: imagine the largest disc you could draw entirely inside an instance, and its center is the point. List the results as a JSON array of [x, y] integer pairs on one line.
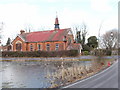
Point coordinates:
[[105, 79]]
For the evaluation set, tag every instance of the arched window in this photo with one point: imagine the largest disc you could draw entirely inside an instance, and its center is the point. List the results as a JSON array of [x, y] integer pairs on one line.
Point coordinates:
[[18, 46]]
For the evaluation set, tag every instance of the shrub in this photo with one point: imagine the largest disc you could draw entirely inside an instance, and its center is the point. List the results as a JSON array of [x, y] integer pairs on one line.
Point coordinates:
[[85, 53], [102, 52], [108, 52]]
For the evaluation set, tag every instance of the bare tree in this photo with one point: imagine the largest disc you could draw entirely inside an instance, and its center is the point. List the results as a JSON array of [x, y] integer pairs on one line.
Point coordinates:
[[1, 27], [109, 40], [28, 27], [78, 37], [84, 33], [81, 32]]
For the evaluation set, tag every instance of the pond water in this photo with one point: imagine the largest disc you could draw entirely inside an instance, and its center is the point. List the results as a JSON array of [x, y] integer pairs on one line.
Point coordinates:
[[26, 74], [31, 74]]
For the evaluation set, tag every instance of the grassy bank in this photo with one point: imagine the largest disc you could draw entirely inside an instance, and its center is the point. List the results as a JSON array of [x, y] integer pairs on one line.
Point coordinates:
[[45, 59], [65, 76]]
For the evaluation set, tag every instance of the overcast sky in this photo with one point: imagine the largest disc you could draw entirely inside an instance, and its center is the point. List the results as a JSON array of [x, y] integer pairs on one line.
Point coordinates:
[[40, 15]]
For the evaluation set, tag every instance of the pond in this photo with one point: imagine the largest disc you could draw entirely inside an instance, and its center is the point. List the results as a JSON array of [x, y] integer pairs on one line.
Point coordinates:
[[31, 74]]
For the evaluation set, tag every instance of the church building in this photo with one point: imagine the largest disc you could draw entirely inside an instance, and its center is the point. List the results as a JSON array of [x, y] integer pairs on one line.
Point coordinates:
[[50, 40]]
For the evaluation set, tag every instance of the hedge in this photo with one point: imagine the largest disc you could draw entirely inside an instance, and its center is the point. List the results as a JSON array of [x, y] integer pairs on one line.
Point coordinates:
[[102, 52], [66, 53]]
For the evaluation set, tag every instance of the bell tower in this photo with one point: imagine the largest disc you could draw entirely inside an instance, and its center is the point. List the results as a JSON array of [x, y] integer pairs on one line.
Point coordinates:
[[56, 23]]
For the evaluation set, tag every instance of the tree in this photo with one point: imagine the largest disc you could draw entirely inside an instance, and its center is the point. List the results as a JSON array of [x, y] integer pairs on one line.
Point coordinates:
[[109, 40], [1, 27], [8, 41], [81, 32], [85, 48], [92, 42], [78, 38], [28, 27], [84, 33]]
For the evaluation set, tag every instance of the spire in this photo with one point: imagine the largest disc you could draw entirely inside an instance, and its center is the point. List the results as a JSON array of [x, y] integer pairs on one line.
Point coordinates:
[[56, 22]]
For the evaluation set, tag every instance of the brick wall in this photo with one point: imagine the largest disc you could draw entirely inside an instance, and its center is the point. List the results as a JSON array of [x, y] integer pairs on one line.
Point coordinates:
[[18, 40], [26, 46]]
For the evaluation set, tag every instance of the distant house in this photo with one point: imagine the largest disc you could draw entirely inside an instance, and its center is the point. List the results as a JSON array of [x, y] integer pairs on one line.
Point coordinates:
[[51, 40], [5, 48]]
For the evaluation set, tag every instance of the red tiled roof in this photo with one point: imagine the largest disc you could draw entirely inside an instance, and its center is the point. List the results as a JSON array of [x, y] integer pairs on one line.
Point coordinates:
[[42, 36]]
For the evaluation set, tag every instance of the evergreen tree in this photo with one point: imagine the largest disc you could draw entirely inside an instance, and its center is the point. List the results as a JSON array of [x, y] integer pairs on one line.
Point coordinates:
[[92, 42], [8, 41]]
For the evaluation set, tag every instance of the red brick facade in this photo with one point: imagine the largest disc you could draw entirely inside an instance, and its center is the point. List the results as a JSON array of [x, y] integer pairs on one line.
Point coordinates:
[[19, 40], [51, 40], [42, 46]]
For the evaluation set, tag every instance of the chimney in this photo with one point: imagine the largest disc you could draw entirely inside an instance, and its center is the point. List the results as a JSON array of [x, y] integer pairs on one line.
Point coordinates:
[[22, 31]]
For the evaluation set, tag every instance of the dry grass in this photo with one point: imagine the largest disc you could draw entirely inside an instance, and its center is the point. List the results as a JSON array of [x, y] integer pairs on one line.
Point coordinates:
[[71, 74], [67, 75]]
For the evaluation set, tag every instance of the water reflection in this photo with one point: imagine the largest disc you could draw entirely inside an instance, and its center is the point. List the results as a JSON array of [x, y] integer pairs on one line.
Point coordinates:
[[31, 74]]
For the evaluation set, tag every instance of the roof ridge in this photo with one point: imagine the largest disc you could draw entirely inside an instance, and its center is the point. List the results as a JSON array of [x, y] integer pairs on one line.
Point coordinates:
[[48, 35], [46, 30]]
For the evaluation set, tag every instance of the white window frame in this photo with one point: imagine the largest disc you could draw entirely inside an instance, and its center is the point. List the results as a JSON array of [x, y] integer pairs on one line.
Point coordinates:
[[56, 46], [31, 47]]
